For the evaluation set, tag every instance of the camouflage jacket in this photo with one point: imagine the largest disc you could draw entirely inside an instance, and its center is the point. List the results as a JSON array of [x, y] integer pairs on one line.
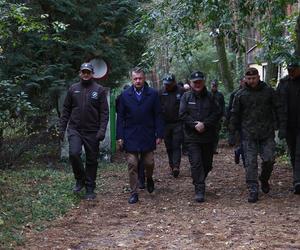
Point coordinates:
[[255, 111]]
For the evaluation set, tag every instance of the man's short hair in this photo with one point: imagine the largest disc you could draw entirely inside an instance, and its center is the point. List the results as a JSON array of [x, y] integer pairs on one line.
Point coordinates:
[[251, 72], [138, 70]]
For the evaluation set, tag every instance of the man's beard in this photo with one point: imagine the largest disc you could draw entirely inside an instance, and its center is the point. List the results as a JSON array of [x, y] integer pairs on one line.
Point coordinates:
[[86, 82]]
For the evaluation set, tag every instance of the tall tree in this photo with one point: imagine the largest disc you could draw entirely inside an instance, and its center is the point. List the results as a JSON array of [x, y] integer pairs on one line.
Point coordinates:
[[44, 44]]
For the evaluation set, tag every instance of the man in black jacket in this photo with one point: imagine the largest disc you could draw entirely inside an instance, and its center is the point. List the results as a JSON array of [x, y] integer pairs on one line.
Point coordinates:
[[85, 112], [200, 114], [219, 98], [170, 96], [289, 93], [236, 137]]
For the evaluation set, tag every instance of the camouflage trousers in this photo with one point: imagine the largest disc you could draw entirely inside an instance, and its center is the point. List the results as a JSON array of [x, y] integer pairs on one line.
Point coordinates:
[[266, 150]]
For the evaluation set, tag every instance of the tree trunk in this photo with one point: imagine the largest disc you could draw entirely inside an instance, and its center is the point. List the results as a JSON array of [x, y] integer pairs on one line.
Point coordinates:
[[239, 51], [271, 73], [226, 76]]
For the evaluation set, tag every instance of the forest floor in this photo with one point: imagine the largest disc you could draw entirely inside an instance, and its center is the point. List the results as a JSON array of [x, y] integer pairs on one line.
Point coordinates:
[[170, 219]]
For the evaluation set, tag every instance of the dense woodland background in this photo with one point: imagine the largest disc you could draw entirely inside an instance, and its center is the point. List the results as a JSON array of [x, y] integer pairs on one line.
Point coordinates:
[[43, 43]]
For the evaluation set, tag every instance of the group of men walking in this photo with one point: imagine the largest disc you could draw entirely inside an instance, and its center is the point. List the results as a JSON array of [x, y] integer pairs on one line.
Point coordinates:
[[145, 117]]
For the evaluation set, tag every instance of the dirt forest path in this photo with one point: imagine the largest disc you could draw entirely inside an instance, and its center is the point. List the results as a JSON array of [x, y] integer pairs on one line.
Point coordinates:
[[170, 219]]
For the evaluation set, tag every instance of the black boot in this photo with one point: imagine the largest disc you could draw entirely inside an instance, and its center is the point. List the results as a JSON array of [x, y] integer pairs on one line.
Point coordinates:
[[236, 156], [297, 188], [253, 194], [150, 185], [267, 168], [134, 198], [200, 191], [199, 197], [78, 186], [175, 172], [89, 195], [265, 186]]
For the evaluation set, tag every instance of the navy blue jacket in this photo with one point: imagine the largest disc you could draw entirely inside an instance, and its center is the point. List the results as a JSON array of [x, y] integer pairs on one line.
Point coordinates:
[[139, 123]]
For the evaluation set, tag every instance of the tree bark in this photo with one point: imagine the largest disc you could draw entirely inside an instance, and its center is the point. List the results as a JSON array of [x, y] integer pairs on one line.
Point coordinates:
[[225, 72]]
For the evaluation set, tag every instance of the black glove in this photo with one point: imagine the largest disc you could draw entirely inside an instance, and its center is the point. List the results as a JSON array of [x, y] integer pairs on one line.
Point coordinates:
[[100, 136], [281, 134]]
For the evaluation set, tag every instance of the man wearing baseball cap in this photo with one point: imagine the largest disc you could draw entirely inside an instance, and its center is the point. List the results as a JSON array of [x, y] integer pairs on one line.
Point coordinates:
[[200, 114], [219, 97], [170, 96], [85, 116]]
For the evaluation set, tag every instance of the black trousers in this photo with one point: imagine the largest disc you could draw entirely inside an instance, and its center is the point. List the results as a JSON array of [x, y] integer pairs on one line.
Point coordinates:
[[201, 158], [91, 147], [173, 138], [293, 142], [217, 137]]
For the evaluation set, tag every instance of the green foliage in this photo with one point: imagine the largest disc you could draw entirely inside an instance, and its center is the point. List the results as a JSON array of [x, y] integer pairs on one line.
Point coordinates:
[[34, 195], [278, 31], [14, 105], [43, 43], [176, 29], [173, 27], [30, 197]]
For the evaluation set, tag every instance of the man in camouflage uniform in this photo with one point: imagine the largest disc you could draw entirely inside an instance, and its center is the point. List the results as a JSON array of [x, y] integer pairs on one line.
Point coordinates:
[[170, 96], [253, 112], [200, 114], [289, 92]]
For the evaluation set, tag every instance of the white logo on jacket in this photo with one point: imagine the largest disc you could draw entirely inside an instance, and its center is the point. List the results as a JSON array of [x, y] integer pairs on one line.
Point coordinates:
[[94, 95]]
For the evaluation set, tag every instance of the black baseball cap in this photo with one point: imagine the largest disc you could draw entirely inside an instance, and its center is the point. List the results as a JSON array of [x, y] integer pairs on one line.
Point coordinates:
[[87, 66], [214, 83], [198, 75], [168, 79]]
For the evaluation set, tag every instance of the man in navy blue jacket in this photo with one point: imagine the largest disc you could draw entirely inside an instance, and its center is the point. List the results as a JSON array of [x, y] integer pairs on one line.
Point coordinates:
[[139, 129]]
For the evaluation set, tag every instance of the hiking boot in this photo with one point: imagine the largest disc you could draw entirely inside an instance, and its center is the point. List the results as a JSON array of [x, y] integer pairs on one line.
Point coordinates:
[[150, 185], [199, 197], [175, 172], [134, 198], [89, 195], [297, 188], [236, 157], [253, 194], [78, 186], [265, 186]]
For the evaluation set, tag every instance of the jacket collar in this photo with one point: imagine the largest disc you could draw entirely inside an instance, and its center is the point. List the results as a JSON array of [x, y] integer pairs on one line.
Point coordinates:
[[145, 93], [200, 94]]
